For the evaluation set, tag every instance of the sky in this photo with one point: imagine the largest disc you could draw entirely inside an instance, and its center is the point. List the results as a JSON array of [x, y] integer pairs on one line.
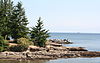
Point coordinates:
[[74, 16]]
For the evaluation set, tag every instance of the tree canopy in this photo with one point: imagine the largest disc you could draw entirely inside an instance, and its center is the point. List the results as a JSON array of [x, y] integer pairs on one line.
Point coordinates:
[[38, 34], [19, 22], [13, 22], [6, 7]]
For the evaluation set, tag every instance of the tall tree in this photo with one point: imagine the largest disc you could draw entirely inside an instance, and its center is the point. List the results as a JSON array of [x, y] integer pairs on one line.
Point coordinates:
[[38, 34], [5, 14], [19, 22]]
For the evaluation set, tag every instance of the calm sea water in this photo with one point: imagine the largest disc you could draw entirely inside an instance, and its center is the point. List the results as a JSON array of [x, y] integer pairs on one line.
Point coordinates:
[[90, 41]]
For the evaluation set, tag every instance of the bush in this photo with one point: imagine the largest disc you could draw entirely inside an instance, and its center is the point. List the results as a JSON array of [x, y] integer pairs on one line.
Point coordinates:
[[24, 41], [1, 49], [1, 40], [18, 48], [3, 44]]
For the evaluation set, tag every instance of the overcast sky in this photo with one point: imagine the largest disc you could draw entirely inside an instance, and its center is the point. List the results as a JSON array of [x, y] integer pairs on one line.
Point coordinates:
[[65, 15]]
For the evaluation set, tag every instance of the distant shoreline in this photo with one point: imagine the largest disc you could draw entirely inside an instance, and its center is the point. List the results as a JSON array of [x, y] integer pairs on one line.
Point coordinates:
[[76, 32]]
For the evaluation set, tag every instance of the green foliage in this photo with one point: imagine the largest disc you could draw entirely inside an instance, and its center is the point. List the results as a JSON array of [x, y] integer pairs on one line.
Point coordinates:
[[24, 41], [23, 44], [38, 34], [1, 38], [1, 49], [3, 44], [13, 21], [19, 22], [6, 7], [18, 48]]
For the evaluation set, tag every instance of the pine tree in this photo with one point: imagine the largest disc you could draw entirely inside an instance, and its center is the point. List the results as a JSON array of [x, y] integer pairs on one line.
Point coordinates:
[[13, 21], [38, 34], [19, 22], [5, 13]]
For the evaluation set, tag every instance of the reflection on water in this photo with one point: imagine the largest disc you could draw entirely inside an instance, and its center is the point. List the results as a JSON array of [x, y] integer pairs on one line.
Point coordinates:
[[68, 60], [76, 60], [28, 61]]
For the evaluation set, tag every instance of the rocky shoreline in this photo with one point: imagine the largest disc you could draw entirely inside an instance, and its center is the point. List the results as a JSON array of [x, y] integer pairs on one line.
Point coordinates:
[[53, 50], [47, 55], [60, 41]]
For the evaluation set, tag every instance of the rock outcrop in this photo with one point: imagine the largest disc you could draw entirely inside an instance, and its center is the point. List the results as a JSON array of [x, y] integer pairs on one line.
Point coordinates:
[[49, 53], [60, 41], [53, 50], [44, 55]]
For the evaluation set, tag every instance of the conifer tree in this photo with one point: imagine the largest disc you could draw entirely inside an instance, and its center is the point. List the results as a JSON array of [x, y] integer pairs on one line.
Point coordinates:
[[6, 7], [19, 22], [38, 34]]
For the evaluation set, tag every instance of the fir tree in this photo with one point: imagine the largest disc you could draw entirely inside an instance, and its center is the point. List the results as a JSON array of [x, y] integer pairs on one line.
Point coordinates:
[[19, 22], [5, 14], [38, 34]]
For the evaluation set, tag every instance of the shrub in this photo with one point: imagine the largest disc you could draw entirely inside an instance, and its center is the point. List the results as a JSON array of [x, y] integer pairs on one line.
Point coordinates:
[[1, 41], [1, 49], [24, 41], [18, 48], [3, 44]]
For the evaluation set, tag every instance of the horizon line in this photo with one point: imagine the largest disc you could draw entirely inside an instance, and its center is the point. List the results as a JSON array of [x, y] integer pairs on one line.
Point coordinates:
[[76, 32]]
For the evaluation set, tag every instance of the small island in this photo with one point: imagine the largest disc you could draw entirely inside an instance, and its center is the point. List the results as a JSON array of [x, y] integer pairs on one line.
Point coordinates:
[[19, 42]]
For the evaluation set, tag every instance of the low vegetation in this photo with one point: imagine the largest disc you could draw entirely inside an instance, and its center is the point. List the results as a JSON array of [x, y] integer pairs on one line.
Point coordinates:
[[18, 48], [3, 44], [24, 41]]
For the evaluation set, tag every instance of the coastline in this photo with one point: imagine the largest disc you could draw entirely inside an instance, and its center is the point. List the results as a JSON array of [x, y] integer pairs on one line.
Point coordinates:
[[53, 50], [47, 56]]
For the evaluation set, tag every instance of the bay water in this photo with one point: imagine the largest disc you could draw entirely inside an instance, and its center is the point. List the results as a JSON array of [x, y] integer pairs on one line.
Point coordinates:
[[90, 41]]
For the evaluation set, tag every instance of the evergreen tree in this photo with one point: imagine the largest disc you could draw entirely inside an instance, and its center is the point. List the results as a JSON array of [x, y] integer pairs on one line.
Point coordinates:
[[38, 34], [19, 22], [6, 7]]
